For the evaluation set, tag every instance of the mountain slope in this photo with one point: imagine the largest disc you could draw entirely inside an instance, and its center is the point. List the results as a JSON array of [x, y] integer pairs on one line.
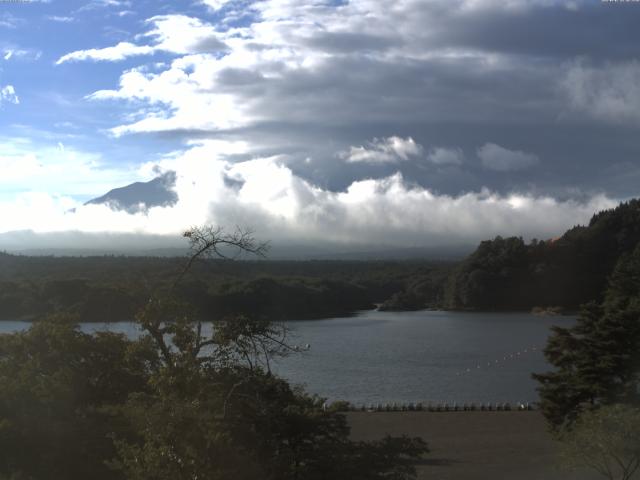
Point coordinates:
[[140, 196]]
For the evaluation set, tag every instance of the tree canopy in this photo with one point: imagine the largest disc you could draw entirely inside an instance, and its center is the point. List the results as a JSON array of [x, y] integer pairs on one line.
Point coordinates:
[[508, 274], [185, 400], [598, 360], [606, 440], [105, 289]]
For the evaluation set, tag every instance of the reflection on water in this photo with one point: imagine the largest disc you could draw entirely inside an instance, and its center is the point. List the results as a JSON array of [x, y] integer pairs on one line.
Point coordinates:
[[409, 356]]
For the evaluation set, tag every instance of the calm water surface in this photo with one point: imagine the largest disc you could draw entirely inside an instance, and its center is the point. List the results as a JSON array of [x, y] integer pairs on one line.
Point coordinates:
[[410, 356]]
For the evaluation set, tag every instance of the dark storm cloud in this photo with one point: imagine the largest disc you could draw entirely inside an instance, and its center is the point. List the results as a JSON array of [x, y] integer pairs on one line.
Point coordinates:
[[551, 81], [410, 122], [558, 30]]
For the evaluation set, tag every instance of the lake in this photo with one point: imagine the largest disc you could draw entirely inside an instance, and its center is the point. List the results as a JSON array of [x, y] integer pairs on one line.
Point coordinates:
[[425, 356]]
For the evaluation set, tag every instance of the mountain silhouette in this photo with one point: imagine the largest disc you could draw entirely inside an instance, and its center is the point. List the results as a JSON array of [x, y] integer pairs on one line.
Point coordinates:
[[140, 196]]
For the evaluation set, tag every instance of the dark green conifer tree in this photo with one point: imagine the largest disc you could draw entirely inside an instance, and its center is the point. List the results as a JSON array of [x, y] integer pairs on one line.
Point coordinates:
[[598, 360]]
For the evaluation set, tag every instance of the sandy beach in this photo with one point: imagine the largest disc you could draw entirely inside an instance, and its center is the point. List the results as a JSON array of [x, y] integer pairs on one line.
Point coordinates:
[[474, 445]]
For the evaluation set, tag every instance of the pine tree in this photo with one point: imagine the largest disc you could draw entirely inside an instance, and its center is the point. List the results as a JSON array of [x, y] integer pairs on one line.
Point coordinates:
[[598, 360]]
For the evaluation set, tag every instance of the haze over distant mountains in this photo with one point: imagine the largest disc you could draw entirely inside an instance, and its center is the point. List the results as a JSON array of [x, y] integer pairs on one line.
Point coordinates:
[[84, 244], [139, 197]]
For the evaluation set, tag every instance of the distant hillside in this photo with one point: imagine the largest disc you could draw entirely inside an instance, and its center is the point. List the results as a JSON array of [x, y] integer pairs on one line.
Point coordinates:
[[506, 273]]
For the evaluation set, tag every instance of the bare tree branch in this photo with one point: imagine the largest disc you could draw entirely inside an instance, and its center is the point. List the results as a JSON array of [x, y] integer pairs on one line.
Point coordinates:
[[210, 241]]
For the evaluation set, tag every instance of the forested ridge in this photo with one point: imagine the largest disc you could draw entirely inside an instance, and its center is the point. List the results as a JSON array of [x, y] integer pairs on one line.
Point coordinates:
[[502, 274], [556, 275], [510, 274], [112, 288]]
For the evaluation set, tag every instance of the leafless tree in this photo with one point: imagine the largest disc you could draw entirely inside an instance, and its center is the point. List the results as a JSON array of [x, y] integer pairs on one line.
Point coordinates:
[[179, 335], [209, 241]]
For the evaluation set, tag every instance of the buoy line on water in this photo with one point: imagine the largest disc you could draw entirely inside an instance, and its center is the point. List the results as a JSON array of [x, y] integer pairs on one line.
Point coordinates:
[[498, 362]]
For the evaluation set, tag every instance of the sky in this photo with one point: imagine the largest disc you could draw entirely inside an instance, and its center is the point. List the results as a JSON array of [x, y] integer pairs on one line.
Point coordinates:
[[406, 123]]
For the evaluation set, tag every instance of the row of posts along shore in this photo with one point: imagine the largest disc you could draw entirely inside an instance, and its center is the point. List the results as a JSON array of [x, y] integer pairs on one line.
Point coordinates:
[[430, 407]]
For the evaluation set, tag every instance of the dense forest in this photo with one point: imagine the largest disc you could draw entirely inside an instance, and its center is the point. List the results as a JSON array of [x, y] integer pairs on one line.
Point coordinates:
[[561, 274], [502, 274], [551, 275], [112, 288]]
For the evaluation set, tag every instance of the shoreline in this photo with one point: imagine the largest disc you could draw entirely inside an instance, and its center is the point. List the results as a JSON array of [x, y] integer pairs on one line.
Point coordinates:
[[340, 314]]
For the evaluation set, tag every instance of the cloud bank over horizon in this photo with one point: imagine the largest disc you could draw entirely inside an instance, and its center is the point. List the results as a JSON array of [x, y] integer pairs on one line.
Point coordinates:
[[267, 196], [420, 123]]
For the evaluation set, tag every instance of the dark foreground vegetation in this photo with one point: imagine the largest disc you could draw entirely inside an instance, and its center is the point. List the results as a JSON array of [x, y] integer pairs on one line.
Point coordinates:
[[175, 404], [598, 359], [591, 399], [77, 406], [178, 404]]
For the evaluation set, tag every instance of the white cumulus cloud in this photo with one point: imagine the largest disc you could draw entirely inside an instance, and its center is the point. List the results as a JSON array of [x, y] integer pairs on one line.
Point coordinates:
[[215, 4], [280, 206], [384, 150], [118, 52], [176, 34], [8, 94]]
